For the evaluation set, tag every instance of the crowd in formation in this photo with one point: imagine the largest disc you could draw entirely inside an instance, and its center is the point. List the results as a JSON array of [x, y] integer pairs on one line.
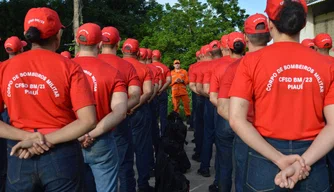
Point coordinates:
[[78, 124]]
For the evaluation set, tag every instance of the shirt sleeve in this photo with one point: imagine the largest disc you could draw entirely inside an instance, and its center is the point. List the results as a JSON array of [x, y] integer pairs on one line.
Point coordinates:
[[227, 80], [192, 75], [207, 76], [133, 77], [329, 98], [168, 72], [119, 84], [148, 75], [214, 82], [80, 91], [242, 85]]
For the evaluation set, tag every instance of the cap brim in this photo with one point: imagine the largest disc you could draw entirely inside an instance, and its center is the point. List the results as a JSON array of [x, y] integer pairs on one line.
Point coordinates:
[[24, 43]]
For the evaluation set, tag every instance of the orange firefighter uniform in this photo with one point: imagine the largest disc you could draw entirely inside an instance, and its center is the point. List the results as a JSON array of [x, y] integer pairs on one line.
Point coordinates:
[[179, 90]]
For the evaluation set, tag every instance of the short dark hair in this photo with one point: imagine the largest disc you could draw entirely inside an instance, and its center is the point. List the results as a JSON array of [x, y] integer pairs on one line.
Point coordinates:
[[109, 45], [259, 39], [291, 19], [216, 52], [238, 48], [33, 35]]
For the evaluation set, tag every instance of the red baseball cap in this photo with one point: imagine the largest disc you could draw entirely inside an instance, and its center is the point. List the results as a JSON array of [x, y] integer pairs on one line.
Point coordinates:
[[143, 53], [215, 44], [14, 44], [66, 54], [149, 54], [308, 43], [206, 49], [224, 41], [45, 20], [89, 34], [323, 41], [198, 53], [253, 20], [112, 35], [156, 53], [274, 7], [234, 37], [130, 46]]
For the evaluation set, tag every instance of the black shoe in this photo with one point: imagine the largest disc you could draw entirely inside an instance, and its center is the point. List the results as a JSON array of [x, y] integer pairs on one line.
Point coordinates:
[[213, 188], [196, 157], [148, 189], [204, 172]]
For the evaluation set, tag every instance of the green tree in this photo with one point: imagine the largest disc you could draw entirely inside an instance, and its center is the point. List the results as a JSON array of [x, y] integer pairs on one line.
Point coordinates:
[[180, 30]]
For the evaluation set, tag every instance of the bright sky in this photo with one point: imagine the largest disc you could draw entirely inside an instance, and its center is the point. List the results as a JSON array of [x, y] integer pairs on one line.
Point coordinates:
[[251, 6]]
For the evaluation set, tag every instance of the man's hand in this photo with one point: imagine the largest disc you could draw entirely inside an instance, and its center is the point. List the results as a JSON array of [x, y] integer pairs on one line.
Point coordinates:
[[86, 141], [286, 160], [289, 177]]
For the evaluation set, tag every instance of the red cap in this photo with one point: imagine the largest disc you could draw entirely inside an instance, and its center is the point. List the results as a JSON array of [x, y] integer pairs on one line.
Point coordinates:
[[112, 35], [198, 53], [89, 34], [45, 20], [308, 43], [149, 54], [143, 53], [224, 41], [66, 54], [206, 49], [156, 53], [252, 21], [130, 46], [234, 37], [323, 41], [14, 44], [274, 7], [215, 44]]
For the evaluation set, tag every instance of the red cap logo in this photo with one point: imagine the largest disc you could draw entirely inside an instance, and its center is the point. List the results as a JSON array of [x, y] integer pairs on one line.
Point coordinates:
[[234, 37], [224, 41], [323, 41], [45, 20], [89, 34], [308, 43], [130, 46], [149, 54], [14, 44], [156, 53], [253, 21], [112, 35], [143, 53], [274, 7]]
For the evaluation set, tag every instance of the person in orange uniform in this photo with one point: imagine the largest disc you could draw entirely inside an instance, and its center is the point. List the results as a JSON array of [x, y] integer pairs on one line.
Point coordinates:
[[179, 89], [123, 132], [66, 54], [292, 96], [140, 119], [49, 94], [14, 46], [110, 93], [308, 43], [257, 36]]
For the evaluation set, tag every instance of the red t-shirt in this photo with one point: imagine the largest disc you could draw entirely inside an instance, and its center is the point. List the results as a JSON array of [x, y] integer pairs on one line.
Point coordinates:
[[104, 80], [201, 69], [163, 69], [192, 72], [290, 84], [143, 71], [218, 73], [226, 83], [125, 68], [42, 90], [156, 74], [211, 69]]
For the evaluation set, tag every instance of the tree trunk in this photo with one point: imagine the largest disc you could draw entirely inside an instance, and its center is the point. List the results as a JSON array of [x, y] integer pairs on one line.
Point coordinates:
[[76, 18]]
